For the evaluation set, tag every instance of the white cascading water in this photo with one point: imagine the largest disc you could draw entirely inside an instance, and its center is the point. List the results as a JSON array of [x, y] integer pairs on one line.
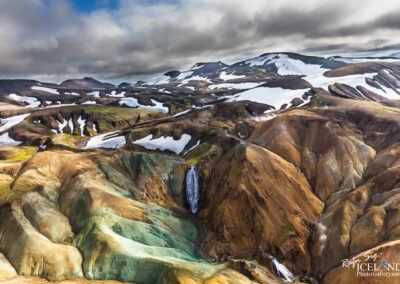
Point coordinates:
[[192, 189], [282, 271]]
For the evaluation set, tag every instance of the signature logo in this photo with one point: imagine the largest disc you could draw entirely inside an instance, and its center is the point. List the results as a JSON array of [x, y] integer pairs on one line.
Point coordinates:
[[368, 266]]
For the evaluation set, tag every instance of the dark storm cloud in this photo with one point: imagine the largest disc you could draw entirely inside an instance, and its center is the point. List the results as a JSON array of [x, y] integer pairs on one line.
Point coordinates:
[[49, 39], [388, 21]]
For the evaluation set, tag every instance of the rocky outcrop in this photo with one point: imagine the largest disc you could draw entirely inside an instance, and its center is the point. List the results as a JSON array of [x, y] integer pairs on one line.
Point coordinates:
[[252, 206], [31, 253], [332, 157]]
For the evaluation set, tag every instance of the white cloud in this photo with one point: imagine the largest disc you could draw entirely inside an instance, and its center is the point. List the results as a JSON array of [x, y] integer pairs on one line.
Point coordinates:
[[143, 37]]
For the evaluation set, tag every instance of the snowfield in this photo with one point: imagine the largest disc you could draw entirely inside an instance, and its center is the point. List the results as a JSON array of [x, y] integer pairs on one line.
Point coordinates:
[[164, 143], [105, 141], [44, 89], [287, 65], [275, 97]]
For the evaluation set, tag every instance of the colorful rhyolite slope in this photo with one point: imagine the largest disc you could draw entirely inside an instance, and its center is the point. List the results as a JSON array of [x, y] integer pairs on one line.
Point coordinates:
[[273, 169]]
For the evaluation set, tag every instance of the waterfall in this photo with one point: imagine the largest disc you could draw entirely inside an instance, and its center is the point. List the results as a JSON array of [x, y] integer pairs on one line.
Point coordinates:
[[282, 271], [192, 189]]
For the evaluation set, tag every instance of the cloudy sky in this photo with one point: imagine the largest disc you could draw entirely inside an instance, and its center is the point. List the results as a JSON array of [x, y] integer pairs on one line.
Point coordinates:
[[124, 39]]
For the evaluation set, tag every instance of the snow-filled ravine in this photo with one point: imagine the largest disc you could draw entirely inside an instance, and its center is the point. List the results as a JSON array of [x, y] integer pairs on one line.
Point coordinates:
[[164, 143], [82, 123], [132, 102], [61, 125], [320, 81], [106, 141]]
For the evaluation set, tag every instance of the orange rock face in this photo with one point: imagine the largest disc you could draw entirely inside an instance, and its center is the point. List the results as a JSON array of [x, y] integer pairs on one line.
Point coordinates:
[[257, 202], [332, 157]]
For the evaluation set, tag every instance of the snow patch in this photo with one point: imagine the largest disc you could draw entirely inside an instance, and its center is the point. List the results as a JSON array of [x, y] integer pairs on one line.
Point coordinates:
[[180, 113], [5, 139], [71, 125], [238, 86], [105, 141], [96, 94], [224, 76], [320, 81], [89, 103], [132, 102], [275, 97], [196, 78], [44, 89], [191, 148], [31, 101], [82, 123], [116, 95], [61, 125], [287, 65], [164, 143], [11, 121]]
